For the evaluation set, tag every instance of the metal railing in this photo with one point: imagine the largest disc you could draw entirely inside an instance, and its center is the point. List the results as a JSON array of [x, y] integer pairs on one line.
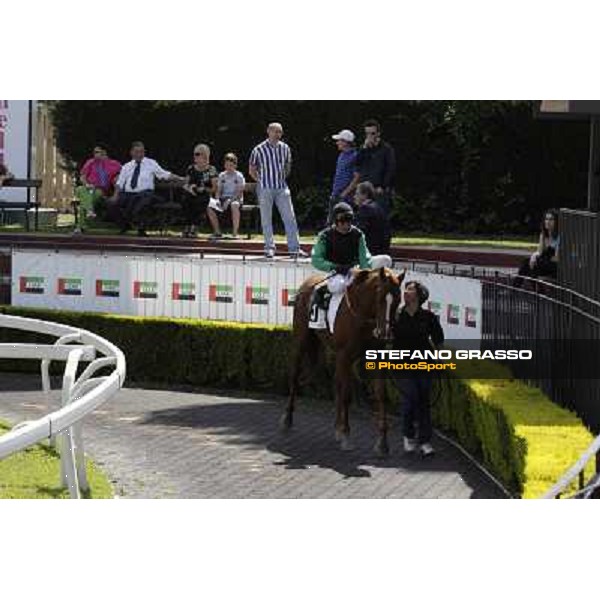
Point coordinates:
[[81, 392], [552, 316]]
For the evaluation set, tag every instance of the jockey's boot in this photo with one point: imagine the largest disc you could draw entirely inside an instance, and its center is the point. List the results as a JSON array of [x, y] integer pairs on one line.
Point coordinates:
[[318, 308]]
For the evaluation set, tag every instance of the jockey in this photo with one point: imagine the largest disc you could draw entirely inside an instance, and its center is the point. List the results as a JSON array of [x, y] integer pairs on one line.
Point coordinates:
[[338, 249]]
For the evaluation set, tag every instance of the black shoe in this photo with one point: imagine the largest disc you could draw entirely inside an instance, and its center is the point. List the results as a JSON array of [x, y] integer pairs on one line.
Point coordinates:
[[142, 233], [123, 230]]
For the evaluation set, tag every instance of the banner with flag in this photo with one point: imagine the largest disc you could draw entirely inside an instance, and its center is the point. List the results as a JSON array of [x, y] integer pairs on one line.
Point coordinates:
[[220, 293], [31, 285], [145, 289], [257, 295], [69, 286], [108, 288], [183, 291]]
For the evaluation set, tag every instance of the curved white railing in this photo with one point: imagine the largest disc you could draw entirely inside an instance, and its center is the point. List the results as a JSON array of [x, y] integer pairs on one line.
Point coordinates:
[[577, 471], [80, 394]]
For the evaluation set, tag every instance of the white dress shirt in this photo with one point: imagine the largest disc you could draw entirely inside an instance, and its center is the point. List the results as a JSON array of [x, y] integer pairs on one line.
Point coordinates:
[[149, 169]]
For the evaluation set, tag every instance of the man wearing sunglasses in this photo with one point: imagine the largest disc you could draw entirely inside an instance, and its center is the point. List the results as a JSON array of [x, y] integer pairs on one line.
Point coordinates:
[[376, 162], [339, 248]]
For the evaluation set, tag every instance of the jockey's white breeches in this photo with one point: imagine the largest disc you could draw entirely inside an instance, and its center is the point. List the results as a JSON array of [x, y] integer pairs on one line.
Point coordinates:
[[338, 283]]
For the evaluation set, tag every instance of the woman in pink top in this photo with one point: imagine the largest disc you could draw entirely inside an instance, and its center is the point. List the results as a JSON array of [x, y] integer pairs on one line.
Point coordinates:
[[98, 176], [100, 171]]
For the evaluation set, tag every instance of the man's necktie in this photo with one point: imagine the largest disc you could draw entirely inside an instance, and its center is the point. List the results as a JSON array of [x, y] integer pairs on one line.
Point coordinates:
[[136, 175]]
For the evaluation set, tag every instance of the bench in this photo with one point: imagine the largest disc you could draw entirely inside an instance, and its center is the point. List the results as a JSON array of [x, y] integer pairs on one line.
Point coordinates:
[[25, 206], [168, 212]]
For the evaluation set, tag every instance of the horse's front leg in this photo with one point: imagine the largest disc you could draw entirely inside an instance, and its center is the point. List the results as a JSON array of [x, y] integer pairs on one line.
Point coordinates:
[[381, 445]]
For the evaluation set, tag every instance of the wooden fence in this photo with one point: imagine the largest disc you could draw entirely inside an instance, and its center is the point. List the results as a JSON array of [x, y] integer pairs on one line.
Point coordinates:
[[57, 184]]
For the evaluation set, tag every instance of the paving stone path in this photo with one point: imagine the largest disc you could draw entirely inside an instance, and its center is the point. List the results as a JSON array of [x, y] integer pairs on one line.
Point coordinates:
[[168, 444]]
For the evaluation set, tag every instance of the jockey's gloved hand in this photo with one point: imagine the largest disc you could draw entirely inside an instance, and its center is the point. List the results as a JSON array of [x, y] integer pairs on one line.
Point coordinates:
[[342, 269]]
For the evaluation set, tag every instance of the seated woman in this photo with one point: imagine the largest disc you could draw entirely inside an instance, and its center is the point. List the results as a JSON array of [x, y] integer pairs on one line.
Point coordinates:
[[98, 176], [200, 186], [544, 261], [230, 195]]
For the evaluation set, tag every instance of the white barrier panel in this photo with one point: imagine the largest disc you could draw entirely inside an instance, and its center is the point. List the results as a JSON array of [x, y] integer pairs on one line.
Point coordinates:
[[456, 301], [220, 288], [14, 150]]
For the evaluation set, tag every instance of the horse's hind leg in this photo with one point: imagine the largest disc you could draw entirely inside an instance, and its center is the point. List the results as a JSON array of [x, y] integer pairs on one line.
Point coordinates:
[[304, 346], [287, 419]]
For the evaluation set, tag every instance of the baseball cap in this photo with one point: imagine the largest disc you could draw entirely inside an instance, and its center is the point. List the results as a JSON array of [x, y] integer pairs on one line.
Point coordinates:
[[344, 134]]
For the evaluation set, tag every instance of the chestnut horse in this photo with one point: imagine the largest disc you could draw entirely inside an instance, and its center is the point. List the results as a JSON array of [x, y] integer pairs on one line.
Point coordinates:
[[363, 318]]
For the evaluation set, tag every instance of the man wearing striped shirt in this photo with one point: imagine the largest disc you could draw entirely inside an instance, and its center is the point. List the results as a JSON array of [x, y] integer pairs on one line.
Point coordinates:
[[270, 166]]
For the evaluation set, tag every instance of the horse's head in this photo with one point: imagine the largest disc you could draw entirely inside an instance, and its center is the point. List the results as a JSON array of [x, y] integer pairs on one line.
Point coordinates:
[[383, 294]]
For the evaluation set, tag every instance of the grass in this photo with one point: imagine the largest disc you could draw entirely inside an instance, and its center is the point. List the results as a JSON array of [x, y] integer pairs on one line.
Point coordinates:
[[65, 226], [34, 474]]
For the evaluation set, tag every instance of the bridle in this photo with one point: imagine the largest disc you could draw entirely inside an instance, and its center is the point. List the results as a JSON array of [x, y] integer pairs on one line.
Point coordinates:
[[383, 327]]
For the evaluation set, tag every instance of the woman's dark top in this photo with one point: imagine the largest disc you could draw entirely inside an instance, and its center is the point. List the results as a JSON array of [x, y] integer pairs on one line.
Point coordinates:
[[202, 179], [413, 333]]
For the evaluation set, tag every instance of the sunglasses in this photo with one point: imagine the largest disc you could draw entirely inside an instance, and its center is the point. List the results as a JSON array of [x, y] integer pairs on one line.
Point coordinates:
[[344, 220]]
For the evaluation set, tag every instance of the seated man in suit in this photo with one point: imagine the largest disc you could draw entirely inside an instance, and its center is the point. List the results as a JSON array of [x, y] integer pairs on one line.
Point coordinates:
[[134, 189]]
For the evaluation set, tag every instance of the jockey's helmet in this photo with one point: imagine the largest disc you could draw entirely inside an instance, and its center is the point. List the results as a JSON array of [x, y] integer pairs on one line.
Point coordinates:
[[344, 210]]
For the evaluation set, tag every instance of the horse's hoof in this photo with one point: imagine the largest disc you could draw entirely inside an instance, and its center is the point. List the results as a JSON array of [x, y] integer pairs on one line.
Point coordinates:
[[381, 448], [285, 422], [338, 436], [345, 443]]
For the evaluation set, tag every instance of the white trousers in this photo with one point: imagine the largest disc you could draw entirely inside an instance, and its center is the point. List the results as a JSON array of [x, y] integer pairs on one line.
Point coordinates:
[[338, 283]]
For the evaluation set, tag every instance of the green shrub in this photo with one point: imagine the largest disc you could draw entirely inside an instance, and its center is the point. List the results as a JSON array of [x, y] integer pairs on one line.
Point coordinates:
[[526, 440], [518, 433]]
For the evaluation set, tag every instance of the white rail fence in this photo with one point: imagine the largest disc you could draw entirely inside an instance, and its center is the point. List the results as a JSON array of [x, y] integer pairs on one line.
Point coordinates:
[[585, 489], [81, 394]]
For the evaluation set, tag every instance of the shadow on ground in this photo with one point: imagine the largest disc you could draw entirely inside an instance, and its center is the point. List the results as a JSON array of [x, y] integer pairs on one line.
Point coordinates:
[[311, 442]]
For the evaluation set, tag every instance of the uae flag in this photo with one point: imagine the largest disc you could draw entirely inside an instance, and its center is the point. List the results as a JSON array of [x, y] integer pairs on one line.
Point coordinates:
[[107, 288], [436, 308], [470, 316], [288, 296], [220, 293], [31, 285], [145, 289], [69, 286], [257, 295], [183, 291], [453, 314]]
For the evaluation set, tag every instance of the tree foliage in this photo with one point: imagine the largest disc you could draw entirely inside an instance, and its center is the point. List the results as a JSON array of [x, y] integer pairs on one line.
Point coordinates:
[[463, 166]]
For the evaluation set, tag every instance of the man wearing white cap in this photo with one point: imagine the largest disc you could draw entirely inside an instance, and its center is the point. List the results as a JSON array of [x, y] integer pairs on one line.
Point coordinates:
[[343, 180]]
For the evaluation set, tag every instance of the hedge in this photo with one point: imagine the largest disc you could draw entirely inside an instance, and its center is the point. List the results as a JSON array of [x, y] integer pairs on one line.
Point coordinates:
[[527, 441]]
